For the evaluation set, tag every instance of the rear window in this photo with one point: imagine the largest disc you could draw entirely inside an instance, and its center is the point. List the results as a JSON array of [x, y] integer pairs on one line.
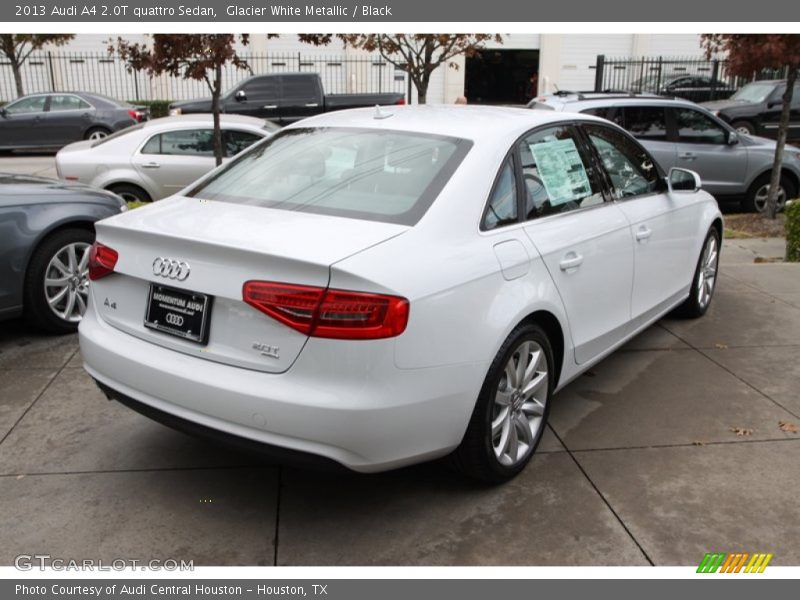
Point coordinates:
[[117, 134], [388, 176]]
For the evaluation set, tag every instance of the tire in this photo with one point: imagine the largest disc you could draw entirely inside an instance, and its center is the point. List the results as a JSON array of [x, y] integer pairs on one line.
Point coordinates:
[[130, 192], [96, 133], [755, 199], [704, 280], [49, 307], [744, 127], [483, 454]]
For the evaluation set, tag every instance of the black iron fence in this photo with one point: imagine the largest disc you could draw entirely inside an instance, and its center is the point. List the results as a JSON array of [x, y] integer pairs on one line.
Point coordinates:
[[666, 75], [107, 74]]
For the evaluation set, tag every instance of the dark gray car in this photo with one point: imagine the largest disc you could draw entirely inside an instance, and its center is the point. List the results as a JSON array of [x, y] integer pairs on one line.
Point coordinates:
[[46, 231], [54, 120]]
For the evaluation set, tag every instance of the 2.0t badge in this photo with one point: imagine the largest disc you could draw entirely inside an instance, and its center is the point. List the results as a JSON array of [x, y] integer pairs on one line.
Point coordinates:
[[171, 268]]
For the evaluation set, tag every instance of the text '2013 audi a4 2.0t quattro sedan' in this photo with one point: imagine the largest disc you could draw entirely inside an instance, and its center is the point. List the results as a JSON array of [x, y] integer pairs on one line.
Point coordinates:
[[382, 287]]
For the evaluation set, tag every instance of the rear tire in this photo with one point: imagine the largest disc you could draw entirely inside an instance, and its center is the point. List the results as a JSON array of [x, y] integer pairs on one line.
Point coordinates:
[[96, 133], [56, 284], [745, 127], [130, 192], [510, 416], [756, 198], [704, 281]]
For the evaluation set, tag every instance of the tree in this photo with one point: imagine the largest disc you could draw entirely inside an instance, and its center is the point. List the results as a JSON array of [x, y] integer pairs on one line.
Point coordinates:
[[419, 54], [191, 56], [18, 47], [748, 54]]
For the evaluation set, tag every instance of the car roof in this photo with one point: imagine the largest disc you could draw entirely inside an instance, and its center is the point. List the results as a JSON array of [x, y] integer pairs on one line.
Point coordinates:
[[458, 121], [204, 119], [578, 102]]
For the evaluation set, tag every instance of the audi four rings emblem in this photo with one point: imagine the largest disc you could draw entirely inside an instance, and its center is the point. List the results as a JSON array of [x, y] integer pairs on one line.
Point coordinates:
[[174, 319], [170, 268]]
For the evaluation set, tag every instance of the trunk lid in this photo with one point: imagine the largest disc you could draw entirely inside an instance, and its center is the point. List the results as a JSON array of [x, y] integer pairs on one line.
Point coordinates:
[[224, 245]]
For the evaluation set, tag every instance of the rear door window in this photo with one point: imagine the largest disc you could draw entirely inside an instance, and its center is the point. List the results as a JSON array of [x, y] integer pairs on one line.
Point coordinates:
[[645, 122], [185, 142], [60, 102]]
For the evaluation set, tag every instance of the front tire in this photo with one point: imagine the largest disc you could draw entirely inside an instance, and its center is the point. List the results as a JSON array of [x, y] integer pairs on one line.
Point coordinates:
[[745, 127], [510, 415], [57, 281], [704, 281]]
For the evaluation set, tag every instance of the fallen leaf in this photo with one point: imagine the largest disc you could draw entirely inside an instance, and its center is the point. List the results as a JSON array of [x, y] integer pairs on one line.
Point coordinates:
[[742, 430], [20, 477], [788, 427], [698, 443], [721, 346]]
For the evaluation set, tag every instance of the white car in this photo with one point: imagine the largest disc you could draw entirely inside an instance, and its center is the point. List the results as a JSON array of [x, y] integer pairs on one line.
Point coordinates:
[[157, 158], [384, 287]]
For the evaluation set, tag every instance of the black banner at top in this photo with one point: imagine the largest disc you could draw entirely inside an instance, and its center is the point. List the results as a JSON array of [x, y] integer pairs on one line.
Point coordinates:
[[474, 11]]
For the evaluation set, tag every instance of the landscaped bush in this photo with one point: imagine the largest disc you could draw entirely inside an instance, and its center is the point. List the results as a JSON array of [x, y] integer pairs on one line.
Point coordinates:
[[793, 231], [158, 108]]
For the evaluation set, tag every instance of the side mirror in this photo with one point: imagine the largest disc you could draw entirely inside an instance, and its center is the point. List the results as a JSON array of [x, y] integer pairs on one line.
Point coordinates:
[[733, 138], [240, 96], [3, 112], [683, 180]]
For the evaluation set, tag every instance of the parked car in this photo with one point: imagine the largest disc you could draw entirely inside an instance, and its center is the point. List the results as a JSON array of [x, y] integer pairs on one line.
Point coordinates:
[[284, 98], [679, 133], [53, 120], [383, 287], [47, 232], [697, 88], [756, 109], [157, 158]]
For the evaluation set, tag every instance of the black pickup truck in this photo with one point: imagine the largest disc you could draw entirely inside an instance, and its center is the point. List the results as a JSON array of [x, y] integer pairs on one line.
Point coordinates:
[[283, 98]]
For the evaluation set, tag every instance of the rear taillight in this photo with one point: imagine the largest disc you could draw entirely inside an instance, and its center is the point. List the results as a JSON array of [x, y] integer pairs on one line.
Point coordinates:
[[401, 101], [102, 261], [136, 115], [327, 313]]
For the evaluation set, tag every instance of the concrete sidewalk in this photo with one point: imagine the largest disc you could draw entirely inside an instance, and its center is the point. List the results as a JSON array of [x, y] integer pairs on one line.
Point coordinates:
[[642, 463]]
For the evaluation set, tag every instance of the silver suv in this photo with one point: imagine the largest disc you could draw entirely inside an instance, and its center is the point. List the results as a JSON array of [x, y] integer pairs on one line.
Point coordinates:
[[679, 133]]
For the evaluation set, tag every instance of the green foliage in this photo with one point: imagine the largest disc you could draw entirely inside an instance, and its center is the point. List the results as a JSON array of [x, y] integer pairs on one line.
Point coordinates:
[[793, 231], [158, 108]]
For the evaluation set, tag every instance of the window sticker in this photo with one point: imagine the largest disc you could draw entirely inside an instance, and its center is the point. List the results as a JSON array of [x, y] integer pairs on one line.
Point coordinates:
[[561, 170]]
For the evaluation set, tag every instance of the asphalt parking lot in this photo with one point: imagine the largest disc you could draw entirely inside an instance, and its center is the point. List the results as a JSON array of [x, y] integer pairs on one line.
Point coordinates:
[[642, 463]]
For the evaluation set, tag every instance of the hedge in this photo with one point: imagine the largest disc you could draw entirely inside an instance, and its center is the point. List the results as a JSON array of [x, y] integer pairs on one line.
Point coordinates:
[[158, 108], [793, 231]]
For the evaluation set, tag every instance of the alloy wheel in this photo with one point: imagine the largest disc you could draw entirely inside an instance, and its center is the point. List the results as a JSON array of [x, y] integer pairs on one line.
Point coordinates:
[[66, 281], [98, 135], [707, 277], [760, 199], [519, 404]]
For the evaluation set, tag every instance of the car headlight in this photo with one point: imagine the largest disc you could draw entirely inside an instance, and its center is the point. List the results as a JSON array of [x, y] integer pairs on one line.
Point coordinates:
[[174, 112]]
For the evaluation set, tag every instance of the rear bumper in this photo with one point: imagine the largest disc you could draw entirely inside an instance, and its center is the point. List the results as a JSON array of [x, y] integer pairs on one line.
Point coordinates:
[[343, 401]]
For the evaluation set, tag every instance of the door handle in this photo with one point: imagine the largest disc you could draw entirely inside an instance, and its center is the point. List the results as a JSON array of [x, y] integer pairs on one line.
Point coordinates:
[[571, 260], [687, 155], [312, 104], [151, 165], [643, 233], [271, 106]]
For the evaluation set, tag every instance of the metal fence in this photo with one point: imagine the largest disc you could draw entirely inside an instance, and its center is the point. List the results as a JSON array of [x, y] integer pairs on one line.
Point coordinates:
[[107, 74], [651, 74]]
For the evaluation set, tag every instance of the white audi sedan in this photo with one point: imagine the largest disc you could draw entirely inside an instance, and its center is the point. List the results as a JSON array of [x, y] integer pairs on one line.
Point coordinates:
[[384, 287], [157, 158]]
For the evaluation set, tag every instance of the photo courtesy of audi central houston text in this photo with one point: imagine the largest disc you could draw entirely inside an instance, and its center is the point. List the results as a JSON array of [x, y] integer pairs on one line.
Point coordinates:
[[385, 286]]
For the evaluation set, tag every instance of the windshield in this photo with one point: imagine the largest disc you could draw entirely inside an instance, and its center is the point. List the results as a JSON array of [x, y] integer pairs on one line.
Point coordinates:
[[754, 92], [378, 175]]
